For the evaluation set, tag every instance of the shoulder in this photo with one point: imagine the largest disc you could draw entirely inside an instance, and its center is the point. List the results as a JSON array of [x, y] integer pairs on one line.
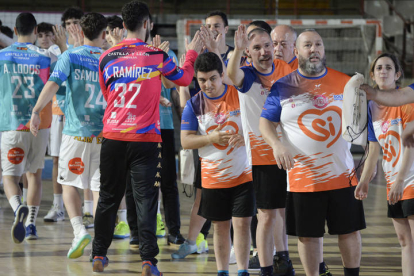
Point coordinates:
[[339, 76]]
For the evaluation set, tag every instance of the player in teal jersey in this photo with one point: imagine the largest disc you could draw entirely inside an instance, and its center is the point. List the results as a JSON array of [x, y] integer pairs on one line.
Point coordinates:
[[24, 69], [84, 110]]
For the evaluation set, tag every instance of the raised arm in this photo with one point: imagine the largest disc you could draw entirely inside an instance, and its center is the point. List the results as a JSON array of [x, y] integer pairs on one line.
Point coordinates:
[[241, 42], [393, 97], [361, 191]]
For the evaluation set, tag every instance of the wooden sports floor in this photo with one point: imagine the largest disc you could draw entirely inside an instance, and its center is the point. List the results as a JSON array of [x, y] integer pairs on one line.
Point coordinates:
[[47, 256]]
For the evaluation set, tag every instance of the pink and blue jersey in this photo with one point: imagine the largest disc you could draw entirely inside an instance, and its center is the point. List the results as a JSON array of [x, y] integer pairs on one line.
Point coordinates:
[[24, 70], [130, 79]]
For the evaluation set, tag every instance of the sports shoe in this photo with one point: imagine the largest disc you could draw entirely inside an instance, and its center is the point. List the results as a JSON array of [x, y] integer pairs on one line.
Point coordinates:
[[99, 262], [282, 266], [121, 230], [78, 244], [232, 259], [54, 215], [202, 245], [31, 233], [327, 272], [160, 227], [148, 269], [184, 250], [179, 239], [88, 220], [18, 231], [244, 273], [134, 244], [254, 263]]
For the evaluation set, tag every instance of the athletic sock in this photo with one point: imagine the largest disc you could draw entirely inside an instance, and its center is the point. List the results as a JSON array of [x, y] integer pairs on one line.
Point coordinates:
[[283, 254], [31, 218], [223, 272], [122, 215], [15, 201], [77, 225], [159, 207], [322, 268], [268, 270], [351, 271], [190, 242], [88, 206], [58, 201], [24, 195], [240, 271]]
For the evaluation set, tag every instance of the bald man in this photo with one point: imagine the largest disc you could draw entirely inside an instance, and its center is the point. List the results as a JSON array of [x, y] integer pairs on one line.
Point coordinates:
[[284, 40], [307, 105]]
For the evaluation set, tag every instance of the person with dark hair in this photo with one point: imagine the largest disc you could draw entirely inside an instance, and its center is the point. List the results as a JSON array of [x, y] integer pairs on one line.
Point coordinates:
[[114, 31], [81, 141], [130, 81], [284, 41], [211, 123], [6, 36], [217, 22], [24, 69], [260, 24], [71, 17], [254, 83], [320, 166]]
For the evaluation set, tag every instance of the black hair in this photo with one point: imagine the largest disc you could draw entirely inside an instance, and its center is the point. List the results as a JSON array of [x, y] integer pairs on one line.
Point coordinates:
[[261, 24], [25, 23], [44, 27], [93, 24], [258, 31], [114, 22], [73, 12], [221, 14], [7, 31], [208, 62], [134, 15]]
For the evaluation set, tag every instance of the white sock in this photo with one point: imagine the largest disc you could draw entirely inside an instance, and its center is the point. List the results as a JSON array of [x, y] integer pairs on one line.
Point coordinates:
[[24, 195], [122, 215], [15, 202], [31, 218], [88, 206], [58, 201], [77, 225], [159, 207]]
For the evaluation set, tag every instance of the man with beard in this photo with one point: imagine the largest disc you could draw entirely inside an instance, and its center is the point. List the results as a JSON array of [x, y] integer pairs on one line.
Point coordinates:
[[253, 83], [284, 37], [307, 104]]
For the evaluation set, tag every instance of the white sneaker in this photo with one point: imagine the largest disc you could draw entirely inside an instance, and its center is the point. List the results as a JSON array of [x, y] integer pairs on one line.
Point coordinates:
[[78, 245], [54, 215], [232, 259]]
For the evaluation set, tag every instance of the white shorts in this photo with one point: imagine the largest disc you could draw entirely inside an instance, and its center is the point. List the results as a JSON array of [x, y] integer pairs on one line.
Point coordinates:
[[55, 137], [22, 152], [79, 160]]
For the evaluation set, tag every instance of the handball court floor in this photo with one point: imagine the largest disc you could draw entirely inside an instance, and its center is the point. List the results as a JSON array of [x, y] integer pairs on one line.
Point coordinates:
[[381, 252]]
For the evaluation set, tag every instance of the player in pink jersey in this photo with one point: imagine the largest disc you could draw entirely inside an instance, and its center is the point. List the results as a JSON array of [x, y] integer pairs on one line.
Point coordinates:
[[307, 105], [284, 38], [385, 127]]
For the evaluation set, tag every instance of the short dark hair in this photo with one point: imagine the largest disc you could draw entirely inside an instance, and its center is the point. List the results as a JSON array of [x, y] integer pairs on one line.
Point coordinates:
[[208, 62], [25, 23], [257, 31], [221, 14], [44, 27], [7, 31], [261, 24], [73, 12], [134, 15], [114, 22], [93, 24]]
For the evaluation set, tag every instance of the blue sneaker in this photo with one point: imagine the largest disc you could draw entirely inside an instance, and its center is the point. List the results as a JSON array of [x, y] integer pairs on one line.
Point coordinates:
[[31, 233], [184, 250], [18, 231], [148, 269], [99, 262]]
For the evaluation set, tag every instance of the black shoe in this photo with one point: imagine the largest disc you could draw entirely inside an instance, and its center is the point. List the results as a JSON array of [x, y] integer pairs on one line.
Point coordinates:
[[179, 239], [327, 272], [134, 244], [282, 267], [254, 263]]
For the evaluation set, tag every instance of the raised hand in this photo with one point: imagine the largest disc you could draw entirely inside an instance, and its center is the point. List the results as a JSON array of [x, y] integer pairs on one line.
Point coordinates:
[[241, 41], [182, 60], [76, 34], [196, 44], [116, 35], [60, 37], [208, 39]]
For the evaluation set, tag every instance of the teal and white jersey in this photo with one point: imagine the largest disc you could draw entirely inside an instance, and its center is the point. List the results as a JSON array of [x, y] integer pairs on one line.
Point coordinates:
[[24, 70], [84, 103]]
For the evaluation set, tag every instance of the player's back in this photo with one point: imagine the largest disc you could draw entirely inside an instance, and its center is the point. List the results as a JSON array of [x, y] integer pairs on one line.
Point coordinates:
[[24, 69]]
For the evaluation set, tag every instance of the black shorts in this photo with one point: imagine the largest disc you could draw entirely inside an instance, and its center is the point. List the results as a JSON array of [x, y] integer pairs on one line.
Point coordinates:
[[197, 177], [402, 209], [223, 204], [306, 213], [270, 184]]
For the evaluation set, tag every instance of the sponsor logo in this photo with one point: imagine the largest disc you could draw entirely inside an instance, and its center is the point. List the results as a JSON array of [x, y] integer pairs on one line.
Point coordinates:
[[320, 101], [15, 156], [76, 166], [338, 97]]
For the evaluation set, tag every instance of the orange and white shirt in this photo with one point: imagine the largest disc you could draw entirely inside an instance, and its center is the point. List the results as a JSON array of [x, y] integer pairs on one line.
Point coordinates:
[[294, 63], [253, 93], [385, 126], [221, 165], [309, 111]]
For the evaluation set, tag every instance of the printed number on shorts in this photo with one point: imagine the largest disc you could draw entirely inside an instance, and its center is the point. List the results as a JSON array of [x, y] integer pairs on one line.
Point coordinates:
[[25, 81], [99, 99], [122, 88]]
